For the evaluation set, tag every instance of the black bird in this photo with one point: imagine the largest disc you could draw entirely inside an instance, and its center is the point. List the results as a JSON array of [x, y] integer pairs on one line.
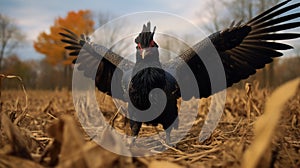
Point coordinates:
[[242, 49], [147, 74]]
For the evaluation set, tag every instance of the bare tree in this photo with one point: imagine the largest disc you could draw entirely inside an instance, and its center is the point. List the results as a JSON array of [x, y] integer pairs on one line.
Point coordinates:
[[10, 36], [114, 29], [236, 10], [213, 9], [112, 32]]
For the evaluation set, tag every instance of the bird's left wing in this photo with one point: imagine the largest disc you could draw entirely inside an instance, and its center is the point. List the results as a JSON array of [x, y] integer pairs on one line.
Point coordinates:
[[241, 49], [97, 62]]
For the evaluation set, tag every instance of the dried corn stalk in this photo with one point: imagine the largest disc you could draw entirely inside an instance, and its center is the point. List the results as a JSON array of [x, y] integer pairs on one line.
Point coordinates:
[[266, 125]]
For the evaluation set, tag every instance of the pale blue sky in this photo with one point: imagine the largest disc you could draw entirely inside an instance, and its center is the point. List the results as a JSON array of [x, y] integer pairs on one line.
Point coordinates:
[[36, 16]]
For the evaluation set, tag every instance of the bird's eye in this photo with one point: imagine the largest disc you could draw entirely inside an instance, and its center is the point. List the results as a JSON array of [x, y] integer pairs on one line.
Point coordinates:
[[152, 44]]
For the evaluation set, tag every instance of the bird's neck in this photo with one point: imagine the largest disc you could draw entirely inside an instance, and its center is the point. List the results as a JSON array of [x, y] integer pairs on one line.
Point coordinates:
[[147, 62]]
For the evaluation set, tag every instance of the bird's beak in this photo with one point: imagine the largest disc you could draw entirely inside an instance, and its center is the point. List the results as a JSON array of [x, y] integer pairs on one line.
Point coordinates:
[[143, 54]]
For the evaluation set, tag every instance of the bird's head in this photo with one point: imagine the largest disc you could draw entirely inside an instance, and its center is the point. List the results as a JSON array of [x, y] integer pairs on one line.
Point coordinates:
[[146, 46]]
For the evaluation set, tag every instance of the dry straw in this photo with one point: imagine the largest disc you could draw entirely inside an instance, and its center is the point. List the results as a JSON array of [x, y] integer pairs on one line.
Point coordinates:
[[2, 76], [24, 109], [259, 153]]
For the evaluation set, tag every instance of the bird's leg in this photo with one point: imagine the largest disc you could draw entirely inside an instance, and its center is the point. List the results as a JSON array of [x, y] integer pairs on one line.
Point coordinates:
[[168, 138], [135, 129]]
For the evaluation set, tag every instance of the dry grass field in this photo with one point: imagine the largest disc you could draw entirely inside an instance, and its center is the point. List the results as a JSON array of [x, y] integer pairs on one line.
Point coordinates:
[[41, 129]]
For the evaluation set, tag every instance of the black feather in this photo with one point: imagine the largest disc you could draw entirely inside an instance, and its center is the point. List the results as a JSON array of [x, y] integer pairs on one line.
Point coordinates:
[[70, 41], [267, 44], [68, 36], [255, 19], [74, 53], [73, 47], [263, 51], [70, 32], [282, 36], [253, 60], [277, 20], [74, 61], [276, 28], [276, 13]]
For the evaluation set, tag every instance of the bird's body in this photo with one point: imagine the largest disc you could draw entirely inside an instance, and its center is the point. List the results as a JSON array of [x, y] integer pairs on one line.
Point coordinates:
[[147, 75], [141, 85], [242, 49]]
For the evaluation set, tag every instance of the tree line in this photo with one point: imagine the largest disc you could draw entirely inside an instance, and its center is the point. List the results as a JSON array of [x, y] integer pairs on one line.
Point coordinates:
[[39, 74]]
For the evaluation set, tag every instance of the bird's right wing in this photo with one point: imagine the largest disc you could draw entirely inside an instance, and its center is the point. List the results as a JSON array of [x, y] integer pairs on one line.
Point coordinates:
[[241, 50], [97, 62]]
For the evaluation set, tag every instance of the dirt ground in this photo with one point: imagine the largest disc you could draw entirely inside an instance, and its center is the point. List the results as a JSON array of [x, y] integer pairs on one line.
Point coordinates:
[[41, 129]]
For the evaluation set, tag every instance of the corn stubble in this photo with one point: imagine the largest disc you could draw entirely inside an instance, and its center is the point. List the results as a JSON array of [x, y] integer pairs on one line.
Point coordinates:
[[259, 128]]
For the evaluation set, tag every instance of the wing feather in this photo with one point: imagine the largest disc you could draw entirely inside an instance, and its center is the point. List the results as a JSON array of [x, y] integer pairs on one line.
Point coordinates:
[[96, 62]]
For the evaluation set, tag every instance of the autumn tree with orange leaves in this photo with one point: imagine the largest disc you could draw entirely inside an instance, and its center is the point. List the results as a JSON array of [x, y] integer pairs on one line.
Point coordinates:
[[50, 45]]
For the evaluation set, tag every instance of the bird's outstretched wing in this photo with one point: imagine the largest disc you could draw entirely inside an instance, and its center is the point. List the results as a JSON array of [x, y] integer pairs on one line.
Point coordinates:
[[242, 49], [97, 62]]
